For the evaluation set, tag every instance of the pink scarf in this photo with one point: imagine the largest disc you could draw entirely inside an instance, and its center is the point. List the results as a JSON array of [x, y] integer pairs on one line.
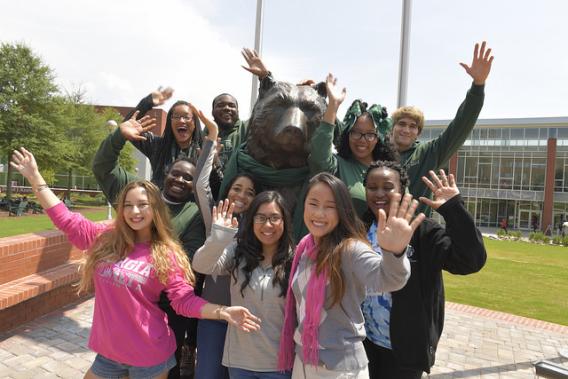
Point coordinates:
[[315, 297]]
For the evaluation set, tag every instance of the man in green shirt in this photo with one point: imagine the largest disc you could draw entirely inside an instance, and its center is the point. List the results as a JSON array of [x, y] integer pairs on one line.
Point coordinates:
[[420, 157]]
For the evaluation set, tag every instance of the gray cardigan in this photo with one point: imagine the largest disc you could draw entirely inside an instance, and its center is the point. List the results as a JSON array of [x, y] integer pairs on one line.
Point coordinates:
[[342, 326], [255, 351]]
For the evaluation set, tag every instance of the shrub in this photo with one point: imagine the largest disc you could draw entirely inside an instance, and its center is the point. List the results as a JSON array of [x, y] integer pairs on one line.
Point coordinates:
[[557, 240], [565, 240], [515, 234], [539, 236], [546, 240], [501, 233]]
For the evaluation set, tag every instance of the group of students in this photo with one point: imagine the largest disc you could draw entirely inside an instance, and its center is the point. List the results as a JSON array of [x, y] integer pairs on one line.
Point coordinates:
[[361, 295]]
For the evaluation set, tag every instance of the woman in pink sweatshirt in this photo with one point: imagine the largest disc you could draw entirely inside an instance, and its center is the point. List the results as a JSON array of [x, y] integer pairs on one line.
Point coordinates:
[[129, 263]]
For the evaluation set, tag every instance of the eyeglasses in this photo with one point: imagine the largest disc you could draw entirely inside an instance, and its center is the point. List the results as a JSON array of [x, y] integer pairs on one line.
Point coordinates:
[[188, 118], [369, 137], [261, 219]]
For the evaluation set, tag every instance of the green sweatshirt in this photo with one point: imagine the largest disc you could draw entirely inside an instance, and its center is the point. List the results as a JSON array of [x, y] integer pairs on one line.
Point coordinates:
[[112, 178], [231, 139], [422, 157], [350, 171]]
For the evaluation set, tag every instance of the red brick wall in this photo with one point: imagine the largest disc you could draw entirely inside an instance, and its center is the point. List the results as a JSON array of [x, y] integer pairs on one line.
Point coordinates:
[[28, 310], [28, 254]]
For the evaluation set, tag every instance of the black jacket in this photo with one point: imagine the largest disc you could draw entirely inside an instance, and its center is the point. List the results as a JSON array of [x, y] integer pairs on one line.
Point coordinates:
[[417, 314]]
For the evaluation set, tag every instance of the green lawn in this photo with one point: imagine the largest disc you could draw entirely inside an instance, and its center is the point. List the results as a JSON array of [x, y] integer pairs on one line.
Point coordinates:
[[519, 277], [12, 226]]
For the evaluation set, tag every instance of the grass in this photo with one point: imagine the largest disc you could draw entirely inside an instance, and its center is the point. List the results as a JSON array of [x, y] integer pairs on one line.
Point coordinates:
[[12, 226], [521, 278]]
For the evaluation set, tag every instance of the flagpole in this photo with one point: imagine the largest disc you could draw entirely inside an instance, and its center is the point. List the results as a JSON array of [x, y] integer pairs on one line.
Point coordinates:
[[404, 52], [258, 48]]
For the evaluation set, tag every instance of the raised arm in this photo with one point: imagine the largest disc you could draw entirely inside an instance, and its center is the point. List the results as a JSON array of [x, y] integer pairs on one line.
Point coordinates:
[[80, 231], [454, 136], [202, 188], [457, 248], [154, 99], [215, 257], [321, 156], [147, 145], [110, 176]]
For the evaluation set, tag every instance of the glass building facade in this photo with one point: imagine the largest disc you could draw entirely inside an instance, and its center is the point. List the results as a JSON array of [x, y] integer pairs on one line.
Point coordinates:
[[501, 171]]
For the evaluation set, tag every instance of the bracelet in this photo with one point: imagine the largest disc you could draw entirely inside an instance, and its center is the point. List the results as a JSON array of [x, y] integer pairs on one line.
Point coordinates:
[[41, 187], [219, 310]]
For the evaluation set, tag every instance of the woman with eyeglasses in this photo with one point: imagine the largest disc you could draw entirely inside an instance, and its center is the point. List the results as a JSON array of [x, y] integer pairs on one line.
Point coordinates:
[[242, 190], [258, 261], [182, 134], [361, 142]]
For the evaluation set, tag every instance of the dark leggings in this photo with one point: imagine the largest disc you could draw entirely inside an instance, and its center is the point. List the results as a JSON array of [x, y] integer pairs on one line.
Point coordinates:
[[383, 365]]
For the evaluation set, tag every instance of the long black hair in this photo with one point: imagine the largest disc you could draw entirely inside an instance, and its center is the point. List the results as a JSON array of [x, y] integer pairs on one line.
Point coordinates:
[[168, 140], [248, 252]]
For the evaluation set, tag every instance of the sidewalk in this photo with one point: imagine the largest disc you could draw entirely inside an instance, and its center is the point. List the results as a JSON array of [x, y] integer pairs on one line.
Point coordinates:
[[476, 343]]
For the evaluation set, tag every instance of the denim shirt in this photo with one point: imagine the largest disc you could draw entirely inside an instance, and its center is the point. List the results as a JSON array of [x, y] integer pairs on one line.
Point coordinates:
[[377, 306]]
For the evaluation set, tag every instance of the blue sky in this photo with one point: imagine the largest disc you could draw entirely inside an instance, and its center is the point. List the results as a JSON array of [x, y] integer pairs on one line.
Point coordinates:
[[118, 51]]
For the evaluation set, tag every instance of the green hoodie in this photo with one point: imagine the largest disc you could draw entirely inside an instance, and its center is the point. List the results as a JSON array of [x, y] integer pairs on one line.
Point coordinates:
[[112, 178], [422, 157]]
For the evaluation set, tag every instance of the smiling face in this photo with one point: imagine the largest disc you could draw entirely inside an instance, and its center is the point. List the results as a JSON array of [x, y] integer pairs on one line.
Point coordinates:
[[178, 184], [183, 125], [137, 213], [361, 148], [270, 231], [404, 133], [320, 211], [241, 194], [381, 182], [225, 111]]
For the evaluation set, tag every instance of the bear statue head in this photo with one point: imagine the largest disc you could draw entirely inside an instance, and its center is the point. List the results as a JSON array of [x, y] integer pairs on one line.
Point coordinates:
[[282, 122]]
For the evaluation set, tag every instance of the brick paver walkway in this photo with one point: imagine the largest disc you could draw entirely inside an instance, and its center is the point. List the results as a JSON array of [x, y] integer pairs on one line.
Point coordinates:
[[477, 343]]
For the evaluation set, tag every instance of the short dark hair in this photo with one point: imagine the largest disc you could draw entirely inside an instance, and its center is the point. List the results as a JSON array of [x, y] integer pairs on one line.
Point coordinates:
[[368, 217], [224, 94]]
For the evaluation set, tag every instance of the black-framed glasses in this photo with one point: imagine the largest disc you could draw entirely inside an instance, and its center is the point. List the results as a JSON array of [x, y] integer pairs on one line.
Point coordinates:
[[261, 219], [187, 118], [369, 137]]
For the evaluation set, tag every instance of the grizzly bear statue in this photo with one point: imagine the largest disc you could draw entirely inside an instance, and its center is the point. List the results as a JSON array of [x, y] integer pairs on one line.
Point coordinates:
[[278, 142]]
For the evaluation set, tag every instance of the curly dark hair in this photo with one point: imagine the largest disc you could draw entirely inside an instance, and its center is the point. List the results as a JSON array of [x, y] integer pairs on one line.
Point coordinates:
[[368, 216], [248, 252], [384, 150]]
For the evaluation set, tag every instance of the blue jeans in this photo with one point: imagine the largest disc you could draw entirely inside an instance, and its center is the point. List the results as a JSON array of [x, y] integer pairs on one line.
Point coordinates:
[[239, 373], [107, 368], [210, 345]]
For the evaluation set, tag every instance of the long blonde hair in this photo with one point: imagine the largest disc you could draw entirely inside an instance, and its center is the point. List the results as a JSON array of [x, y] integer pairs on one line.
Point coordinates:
[[117, 242]]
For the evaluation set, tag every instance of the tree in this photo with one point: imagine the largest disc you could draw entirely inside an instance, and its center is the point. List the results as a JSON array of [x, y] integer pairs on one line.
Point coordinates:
[[62, 131], [27, 92], [83, 129]]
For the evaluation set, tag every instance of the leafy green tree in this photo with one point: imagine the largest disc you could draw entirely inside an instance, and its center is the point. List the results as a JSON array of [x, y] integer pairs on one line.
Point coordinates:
[[62, 131], [83, 129], [27, 93]]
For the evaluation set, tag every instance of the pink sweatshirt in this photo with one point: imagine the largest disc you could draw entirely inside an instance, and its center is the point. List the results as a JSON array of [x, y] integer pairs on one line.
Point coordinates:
[[128, 326]]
